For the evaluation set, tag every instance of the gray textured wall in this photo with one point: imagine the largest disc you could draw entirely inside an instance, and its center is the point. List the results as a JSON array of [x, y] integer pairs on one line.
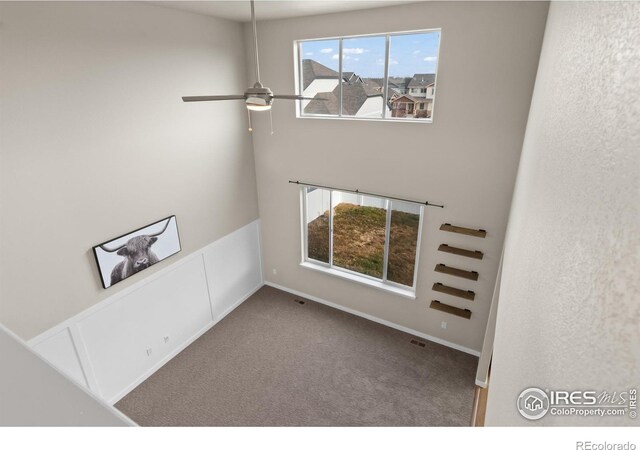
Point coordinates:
[[569, 312]]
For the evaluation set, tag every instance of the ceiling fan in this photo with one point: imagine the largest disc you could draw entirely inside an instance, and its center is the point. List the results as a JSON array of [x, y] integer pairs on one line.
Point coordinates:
[[258, 97]]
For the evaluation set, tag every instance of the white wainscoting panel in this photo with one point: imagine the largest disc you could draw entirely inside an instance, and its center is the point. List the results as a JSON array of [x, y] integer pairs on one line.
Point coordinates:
[[117, 338], [60, 351], [115, 345], [231, 268]]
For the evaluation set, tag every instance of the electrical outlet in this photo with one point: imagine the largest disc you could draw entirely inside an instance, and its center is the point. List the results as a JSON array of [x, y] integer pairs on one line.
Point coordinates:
[[444, 325], [149, 351], [275, 271], [166, 339]]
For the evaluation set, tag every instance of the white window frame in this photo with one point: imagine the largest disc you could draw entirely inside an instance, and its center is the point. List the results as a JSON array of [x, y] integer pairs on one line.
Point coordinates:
[[300, 114], [341, 272]]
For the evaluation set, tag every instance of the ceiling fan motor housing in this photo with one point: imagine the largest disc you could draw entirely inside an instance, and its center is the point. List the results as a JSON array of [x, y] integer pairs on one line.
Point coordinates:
[[259, 95], [258, 90]]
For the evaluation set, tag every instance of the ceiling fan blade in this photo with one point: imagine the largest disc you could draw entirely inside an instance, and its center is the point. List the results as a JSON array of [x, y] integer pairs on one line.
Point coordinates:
[[209, 98], [298, 97]]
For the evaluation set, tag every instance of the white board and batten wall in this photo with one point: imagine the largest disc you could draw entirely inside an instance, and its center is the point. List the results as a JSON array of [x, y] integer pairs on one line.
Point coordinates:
[[115, 345]]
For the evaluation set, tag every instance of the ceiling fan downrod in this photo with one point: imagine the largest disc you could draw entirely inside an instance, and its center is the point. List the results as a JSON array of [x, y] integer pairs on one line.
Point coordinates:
[[258, 97]]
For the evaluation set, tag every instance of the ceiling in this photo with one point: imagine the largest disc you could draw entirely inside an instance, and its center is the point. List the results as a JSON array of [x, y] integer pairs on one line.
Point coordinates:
[[239, 10]]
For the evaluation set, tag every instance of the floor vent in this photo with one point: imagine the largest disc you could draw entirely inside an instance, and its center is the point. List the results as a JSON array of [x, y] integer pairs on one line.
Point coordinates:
[[418, 343], [298, 301]]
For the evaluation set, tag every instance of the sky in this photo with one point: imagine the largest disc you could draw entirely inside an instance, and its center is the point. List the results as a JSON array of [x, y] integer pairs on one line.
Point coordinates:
[[408, 54]]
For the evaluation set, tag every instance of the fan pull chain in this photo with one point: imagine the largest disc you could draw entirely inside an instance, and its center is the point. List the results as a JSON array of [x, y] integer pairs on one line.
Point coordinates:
[[249, 117], [271, 120]]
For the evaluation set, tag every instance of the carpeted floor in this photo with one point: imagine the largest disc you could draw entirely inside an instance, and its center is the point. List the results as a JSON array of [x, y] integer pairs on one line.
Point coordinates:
[[275, 362]]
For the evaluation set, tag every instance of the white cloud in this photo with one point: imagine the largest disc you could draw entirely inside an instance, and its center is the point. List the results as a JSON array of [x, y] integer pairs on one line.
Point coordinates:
[[353, 51], [326, 50], [392, 62], [431, 58], [309, 54], [356, 59], [335, 56], [416, 52]]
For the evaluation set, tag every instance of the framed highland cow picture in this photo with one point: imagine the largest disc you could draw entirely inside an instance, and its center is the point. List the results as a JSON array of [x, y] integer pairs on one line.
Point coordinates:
[[133, 252]]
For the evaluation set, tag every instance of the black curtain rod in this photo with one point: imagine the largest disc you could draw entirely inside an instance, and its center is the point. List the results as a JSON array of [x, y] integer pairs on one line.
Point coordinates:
[[364, 193]]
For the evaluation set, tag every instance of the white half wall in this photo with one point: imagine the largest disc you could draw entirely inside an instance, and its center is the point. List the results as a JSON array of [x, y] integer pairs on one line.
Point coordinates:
[[115, 345], [33, 393], [61, 353]]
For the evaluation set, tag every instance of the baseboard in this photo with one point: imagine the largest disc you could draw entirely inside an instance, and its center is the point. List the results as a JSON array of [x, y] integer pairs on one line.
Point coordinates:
[[158, 365], [375, 319], [239, 302], [173, 354]]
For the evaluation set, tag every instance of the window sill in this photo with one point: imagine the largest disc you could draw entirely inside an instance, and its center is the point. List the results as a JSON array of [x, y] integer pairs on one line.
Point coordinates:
[[364, 119], [406, 293]]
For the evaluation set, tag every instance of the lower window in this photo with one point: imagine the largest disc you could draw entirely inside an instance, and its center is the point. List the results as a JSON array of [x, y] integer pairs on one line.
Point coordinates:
[[365, 236]]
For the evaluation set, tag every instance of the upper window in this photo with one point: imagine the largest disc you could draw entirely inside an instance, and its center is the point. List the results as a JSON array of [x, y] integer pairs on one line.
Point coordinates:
[[382, 76], [369, 238]]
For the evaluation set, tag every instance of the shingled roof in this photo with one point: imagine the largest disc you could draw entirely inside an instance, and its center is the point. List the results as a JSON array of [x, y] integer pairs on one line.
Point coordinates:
[[354, 95], [400, 82], [422, 80], [312, 70], [411, 98]]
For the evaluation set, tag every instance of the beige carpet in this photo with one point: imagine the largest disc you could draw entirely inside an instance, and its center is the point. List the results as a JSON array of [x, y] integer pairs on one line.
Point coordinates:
[[275, 362]]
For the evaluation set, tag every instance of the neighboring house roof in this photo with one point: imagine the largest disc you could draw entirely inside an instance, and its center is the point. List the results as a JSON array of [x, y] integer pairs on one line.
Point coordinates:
[[354, 95], [396, 84], [422, 80], [351, 77], [373, 85], [399, 82], [377, 81], [330, 105], [356, 90], [407, 97], [312, 70]]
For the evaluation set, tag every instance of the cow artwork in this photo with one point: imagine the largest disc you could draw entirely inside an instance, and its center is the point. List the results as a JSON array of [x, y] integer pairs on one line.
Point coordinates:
[[127, 255], [137, 256]]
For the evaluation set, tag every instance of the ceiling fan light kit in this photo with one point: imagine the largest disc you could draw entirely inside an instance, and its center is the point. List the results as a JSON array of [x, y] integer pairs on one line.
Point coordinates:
[[258, 97]]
